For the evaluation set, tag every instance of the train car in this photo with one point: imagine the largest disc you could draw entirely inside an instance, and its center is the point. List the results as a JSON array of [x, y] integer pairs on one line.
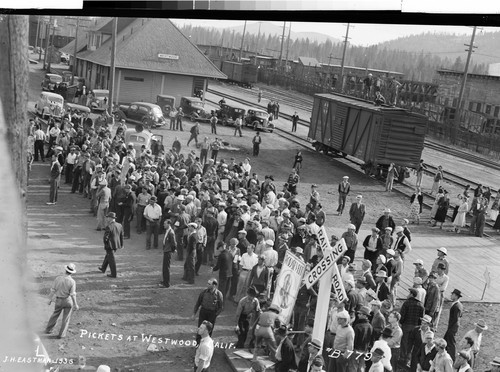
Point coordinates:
[[244, 74], [378, 135]]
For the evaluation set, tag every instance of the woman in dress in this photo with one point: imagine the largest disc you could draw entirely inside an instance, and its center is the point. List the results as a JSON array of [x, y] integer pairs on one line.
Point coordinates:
[[416, 201], [391, 173], [420, 172], [437, 180], [435, 205], [442, 210], [459, 220]]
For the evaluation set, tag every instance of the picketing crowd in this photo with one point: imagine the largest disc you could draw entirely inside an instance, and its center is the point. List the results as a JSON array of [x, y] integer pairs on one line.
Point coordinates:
[[220, 214]]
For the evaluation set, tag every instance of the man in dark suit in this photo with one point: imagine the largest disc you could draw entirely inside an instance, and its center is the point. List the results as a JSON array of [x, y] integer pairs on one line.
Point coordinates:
[[127, 205], [169, 247], [382, 289], [456, 311], [416, 339], [55, 173], [285, 353], [189, 264], [113, 240], [357, 213], [412, 312], [225, 267], [259, 275]]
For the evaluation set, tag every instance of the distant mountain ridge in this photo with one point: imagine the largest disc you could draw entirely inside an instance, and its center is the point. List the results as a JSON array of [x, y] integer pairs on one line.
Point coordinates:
[[450, 46]]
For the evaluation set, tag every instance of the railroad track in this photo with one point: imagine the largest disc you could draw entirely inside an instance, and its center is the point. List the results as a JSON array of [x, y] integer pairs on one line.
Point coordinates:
[[355, 164]]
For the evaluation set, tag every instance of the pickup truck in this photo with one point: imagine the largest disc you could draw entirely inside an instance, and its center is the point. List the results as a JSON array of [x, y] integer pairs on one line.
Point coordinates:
[[147, 114]]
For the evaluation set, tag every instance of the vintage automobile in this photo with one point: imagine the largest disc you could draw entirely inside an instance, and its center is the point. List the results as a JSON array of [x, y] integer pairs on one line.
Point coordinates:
[[258, 120], [99, 100], [50, 104], [49, 82], [166, 103], [73, 107], [193, 108], [147, 114], [139, 136], [229, 112]]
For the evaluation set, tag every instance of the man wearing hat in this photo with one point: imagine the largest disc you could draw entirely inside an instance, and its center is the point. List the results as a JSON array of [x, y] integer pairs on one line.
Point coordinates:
[[152, 214], [442, 252], [386, 220], [420, 271], [210, 303], [377, 356], [246, 313], [416, 340], [113, 240], [55, 173], [412, 312], [456, 311], [126, 204], [189, 264], [343, 189], [462, 362], [417, 284], [433, 296], [401, 241], [357, 212], [264, 330], [351, 240], [344, 341], [476, 335], [363, 333], [426, 354], [442, 361], [382, 289], [313, 352], [382, 344], [63, 293], [495, 365]]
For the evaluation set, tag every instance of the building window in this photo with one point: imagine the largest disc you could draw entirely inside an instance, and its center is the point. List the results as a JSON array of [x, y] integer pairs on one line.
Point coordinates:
[[133, 78], [488, 109], [478, 107], [497, 111], [471, 106]]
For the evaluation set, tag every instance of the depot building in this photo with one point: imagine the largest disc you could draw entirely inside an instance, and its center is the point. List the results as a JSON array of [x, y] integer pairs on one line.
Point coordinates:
[[152, 57]]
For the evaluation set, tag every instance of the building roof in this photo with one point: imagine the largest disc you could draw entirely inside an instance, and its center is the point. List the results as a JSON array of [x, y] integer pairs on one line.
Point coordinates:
[[308, 61], [140, 44], [82, 37], [327, 65], [469, 75]]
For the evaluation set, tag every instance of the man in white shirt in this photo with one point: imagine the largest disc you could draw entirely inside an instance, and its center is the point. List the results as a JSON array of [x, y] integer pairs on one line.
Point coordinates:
[[476, 335], [152, 214], [247, 262], [377, 357], [205, 349], [382, 345], [221, 220], [201, 244]]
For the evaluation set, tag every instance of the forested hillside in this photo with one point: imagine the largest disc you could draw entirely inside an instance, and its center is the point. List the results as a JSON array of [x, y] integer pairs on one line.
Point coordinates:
[[416, 56]]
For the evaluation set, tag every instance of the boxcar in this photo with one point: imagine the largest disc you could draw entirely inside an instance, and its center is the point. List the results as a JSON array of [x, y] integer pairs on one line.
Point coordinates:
[[378, 135], [244, 74]]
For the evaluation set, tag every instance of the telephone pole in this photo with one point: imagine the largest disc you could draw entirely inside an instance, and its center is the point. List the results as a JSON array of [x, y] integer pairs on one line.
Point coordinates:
[[257, 45], [343, 58], [282, 42], [112, 68], [47, 37], [75, 51], [458, 112], [288, 43], [242, 40]]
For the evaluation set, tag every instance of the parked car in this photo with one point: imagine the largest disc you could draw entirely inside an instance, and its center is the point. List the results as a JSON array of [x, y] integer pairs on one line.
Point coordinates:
[[166, 103], [258, 120], [138, 137], [193, 108], [50, 81], [147, 114], [229, 112], [72, 107], [99, 100], [49, 104]]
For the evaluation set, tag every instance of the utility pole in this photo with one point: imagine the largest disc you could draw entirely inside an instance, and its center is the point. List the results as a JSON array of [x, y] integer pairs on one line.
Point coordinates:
[[51, 44], [282, 42], [232, 46], [288, 43], [112, 67], [47, 36], [257, 45], [242, 40], [75, 51], [458, 112], [343, 59], [37, 31]]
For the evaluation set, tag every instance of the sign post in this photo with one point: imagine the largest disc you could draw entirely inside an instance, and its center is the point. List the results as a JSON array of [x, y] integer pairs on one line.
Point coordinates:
[[326, 272]]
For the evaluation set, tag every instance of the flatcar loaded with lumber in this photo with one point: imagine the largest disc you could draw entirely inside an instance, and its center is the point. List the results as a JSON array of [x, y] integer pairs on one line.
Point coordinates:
[[377, 135]]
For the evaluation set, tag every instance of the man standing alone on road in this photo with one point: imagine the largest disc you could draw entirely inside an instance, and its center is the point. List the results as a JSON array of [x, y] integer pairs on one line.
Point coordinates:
[[113, 240], [62, 290], [256, 144], [213, 123], [344, 188], [205, 349], [169, 247], [210, 304], [195, 131], [357, 213], [456, 311], [55, 174], [237, 125], [295, 120]]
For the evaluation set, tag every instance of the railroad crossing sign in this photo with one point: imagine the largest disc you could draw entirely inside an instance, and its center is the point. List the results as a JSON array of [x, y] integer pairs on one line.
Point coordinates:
[[330, 258]]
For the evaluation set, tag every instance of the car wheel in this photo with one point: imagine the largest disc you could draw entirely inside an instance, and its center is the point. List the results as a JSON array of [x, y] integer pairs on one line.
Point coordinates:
[[117, 116]]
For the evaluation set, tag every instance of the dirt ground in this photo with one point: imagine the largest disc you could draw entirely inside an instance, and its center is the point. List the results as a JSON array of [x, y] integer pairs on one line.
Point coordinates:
[[133, 306]]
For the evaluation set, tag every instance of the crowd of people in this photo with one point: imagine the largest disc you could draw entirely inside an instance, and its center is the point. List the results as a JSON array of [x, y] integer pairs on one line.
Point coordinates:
[[221, 215]]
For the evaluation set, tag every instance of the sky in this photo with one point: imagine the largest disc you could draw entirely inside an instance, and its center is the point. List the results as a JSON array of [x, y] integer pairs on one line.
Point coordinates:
[[359, 34]]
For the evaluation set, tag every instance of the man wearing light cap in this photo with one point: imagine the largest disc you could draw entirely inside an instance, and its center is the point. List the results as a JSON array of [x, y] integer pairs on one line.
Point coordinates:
[[476, 335], [420, 271], [271, 259], [357, 212], [417, 284], [432, 301], [63, 293], [351, 241], [343, 189], [152, 214], [344, 341], [442, 361], [386, 220], [442, 252], [416, 341]]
